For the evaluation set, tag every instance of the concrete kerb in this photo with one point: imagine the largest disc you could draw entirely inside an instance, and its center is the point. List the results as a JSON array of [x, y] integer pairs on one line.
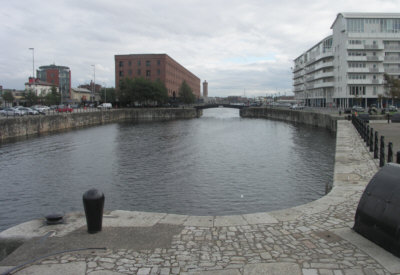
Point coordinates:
[[350, 180]]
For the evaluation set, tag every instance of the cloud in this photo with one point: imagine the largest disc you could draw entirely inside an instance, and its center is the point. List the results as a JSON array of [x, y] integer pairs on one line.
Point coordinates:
[[234, 45]]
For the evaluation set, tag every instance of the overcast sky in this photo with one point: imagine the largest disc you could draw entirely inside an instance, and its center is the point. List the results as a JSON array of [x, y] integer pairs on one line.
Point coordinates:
[[238, 46]]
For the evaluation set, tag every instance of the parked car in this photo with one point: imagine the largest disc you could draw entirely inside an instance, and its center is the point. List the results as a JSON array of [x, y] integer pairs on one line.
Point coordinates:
[[296, 107], [22, 110], [11, 112], [392, 108], [63, 109], [32, 111], [41, 109], [357, 109], [105, 106]]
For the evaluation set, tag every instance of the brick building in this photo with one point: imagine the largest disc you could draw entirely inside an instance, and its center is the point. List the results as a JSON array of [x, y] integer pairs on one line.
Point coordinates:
[[156, 67]]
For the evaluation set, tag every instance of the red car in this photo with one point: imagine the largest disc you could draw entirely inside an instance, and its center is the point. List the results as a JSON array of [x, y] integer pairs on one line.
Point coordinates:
[[63, 109]]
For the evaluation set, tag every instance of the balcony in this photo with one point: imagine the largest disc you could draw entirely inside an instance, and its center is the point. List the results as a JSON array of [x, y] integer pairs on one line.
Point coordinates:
[[392, 49], [364, 81], [323, 85], [365, 58], [318, 57], [378, 46], [318, 66], [392, 59], [299, 88]]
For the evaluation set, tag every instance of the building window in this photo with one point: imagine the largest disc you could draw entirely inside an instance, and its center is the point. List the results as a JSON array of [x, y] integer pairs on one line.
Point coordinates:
[[121, 73], [121, 64], [147, 63], [158, 72], [158, 62], [129, 63], [139, 72], [139, 63], [130, 72], [148, 73]]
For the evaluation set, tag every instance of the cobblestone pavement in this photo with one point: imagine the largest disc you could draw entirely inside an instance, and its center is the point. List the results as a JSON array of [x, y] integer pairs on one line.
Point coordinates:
[[304, 240]]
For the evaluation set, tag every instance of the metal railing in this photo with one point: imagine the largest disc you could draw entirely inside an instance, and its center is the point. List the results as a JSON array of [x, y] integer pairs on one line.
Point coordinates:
[[376, 146]]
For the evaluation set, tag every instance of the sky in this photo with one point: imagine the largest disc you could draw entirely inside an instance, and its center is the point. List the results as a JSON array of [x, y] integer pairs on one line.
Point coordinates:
[[242, 48]]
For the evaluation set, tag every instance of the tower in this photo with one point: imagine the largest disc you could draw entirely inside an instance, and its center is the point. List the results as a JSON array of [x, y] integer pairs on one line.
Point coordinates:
[[205, 89]]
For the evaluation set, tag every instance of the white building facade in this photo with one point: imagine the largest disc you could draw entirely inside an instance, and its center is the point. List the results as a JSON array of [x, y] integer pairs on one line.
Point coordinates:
[[348, 67]]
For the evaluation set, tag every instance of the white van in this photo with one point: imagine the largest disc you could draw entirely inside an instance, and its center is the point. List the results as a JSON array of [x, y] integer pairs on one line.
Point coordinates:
[[105, 106]]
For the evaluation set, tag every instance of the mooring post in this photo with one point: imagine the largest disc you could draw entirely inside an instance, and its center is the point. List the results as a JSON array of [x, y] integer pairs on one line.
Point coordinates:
[[382, 153], [376, 145], [371, 140], [390, 152]]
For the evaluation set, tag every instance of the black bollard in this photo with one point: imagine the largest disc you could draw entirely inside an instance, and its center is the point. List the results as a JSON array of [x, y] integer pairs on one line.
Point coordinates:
[[382, 152], [367, 136], [93, 202], [390, 152], [371, 140], [398, 157], [376, 145]]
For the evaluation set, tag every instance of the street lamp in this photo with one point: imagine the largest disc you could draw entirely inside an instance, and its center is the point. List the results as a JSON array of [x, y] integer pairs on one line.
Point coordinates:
[[94, 81], [33, 61], [105, 93]]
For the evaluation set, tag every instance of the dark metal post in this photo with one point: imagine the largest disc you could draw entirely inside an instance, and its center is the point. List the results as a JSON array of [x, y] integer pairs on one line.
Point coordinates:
[[93, 202], [365, 133], [371, 140], [398, 157], [382, 152], [367, 136], [390, 152], [376, 145]]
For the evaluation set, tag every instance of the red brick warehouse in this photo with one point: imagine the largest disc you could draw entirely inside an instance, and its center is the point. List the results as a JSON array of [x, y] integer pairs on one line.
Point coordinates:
[[156, 67]]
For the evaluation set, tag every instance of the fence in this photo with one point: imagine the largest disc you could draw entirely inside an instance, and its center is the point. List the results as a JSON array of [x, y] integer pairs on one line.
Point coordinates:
[[375, 144]]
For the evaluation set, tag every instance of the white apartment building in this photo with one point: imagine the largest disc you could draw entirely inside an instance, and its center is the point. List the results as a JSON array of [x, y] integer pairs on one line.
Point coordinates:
[[347, 68]]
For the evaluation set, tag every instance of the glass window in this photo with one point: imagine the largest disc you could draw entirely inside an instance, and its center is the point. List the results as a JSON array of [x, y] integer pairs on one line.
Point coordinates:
[[147, 62], [139, 62]]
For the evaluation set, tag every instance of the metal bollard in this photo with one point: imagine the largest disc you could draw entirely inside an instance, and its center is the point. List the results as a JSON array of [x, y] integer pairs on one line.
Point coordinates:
[[398, 157], [376, 145], [371, 140], [390, 152], [93, 202], [382, 152], [367, 136]]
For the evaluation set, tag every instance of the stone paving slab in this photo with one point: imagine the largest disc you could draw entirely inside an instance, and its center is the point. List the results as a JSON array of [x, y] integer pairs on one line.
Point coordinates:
[[312, 239], [51, 269]]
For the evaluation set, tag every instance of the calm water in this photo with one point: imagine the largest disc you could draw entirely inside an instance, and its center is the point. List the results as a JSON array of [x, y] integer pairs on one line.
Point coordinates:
[[220, 164]]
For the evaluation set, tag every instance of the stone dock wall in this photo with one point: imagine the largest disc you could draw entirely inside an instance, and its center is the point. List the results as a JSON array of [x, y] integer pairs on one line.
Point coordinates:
[[323, 120], [34, 125]]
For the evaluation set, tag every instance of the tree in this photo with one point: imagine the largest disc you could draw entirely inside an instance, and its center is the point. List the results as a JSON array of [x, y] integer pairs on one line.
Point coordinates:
[[108, 95], [392, 87], [186, 94], [52, 98], [31, 97], [8, 97], [141, 91]]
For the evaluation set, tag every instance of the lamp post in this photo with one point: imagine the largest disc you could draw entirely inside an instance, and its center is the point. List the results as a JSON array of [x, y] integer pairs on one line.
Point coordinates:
[[33, 61], [105, 93], [94, 81]]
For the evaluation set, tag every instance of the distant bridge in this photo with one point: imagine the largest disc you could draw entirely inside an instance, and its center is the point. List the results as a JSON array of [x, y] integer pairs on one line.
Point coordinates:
[[217, 105]]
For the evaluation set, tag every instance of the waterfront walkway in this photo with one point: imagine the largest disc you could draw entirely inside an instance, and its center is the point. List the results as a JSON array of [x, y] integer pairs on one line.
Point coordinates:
[[312, 239]]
